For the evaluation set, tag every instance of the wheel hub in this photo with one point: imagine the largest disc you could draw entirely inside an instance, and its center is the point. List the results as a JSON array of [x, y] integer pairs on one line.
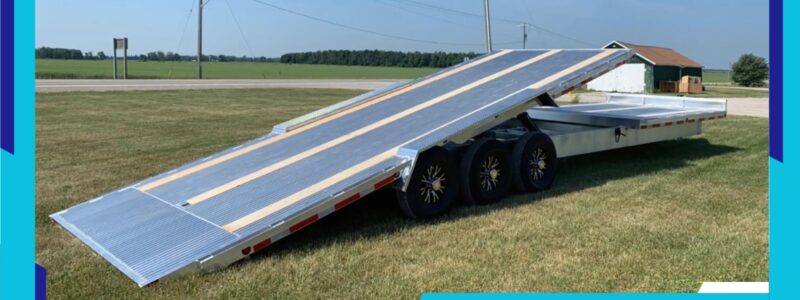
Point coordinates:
[[433, 184], [437, 185], [537, 164], [490, 173]]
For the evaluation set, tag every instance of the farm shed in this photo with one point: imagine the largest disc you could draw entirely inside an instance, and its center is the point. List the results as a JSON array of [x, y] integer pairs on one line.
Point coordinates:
[[646, 70]]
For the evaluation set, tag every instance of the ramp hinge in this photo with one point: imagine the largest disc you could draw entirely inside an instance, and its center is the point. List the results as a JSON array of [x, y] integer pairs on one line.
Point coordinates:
[[526, 121]]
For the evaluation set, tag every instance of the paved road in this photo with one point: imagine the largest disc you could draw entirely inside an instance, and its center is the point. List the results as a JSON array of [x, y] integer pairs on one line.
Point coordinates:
[[44, 86], [756, 107]]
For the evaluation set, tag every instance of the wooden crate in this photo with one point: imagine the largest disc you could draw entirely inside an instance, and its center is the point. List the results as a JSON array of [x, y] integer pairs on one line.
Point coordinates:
[[690, 85], [666, 86]]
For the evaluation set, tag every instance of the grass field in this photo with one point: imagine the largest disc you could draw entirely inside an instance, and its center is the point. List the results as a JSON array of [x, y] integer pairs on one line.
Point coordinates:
[[94, 69], [716, 76], [662, 217], [728, 92]]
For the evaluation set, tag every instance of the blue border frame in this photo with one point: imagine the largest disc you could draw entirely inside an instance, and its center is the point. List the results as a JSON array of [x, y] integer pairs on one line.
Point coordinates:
[[17, 155]]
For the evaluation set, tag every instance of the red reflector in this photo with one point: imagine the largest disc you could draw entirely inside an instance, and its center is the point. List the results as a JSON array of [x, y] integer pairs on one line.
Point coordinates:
[[643, 127], [567, 90], [655, 125], [246, 251], [263, 244], [347, 201], [679, 122], [303, 223], [668, 124], [385, 182]]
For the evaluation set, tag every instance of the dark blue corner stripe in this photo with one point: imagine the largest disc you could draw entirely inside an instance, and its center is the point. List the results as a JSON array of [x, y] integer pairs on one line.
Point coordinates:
[[41, 283], [7, 76], [776, 79]]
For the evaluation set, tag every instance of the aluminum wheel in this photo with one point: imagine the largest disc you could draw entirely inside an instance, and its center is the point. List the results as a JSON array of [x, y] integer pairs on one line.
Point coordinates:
[[433, 184], [538, 163], [490, 173], [486, 166], [535, 162]]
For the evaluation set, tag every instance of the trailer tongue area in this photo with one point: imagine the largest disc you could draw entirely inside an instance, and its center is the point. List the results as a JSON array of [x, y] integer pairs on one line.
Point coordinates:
[[212, 212]]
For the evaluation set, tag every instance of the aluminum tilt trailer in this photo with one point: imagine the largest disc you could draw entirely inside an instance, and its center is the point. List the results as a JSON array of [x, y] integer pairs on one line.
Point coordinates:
[[473, 131]]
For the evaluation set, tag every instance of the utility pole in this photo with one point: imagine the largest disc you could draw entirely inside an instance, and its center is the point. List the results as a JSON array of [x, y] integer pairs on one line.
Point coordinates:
[[200, 40], [488, 26], [524, 35], [125, 59]]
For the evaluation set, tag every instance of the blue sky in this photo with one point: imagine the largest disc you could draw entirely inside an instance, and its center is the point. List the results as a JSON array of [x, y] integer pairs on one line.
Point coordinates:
[[713, 32]]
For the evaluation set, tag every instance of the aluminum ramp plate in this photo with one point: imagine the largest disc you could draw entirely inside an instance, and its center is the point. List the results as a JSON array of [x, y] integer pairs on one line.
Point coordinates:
[[214, 211], [635, 111]]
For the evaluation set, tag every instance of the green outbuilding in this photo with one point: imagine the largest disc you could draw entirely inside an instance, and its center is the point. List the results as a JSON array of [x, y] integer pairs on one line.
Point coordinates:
[[660, 64]]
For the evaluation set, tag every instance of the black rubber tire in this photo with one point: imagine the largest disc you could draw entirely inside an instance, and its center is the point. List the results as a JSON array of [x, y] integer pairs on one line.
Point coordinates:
[[413, 202], [524, 168], [477, 186]]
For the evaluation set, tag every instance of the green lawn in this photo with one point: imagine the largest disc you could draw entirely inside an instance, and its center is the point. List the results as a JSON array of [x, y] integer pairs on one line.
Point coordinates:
[[95, 69], [662, 217], [716, 76], [727, 92]]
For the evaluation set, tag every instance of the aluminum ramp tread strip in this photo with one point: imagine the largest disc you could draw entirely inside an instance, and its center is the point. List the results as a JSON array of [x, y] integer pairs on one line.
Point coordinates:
[[163, 234]]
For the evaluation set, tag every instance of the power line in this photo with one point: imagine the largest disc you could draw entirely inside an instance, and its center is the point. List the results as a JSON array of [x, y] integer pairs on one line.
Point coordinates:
[[511, 21], [421, 14], [398, 5], [241, 32], [362, 29], [185, 25]]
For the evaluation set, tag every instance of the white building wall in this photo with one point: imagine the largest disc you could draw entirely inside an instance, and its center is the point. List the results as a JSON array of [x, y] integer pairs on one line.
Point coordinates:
[[628, 78]]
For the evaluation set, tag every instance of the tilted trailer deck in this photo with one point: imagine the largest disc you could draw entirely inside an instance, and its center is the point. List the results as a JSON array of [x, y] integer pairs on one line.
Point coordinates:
[[473, 131]]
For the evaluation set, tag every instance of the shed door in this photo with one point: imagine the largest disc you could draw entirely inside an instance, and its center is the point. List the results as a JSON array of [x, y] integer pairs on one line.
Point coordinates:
[[628, 78]]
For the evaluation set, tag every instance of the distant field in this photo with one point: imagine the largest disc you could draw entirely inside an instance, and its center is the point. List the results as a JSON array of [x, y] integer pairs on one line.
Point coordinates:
[[94, 69], [716, 76], [723, 91], [660, 217]]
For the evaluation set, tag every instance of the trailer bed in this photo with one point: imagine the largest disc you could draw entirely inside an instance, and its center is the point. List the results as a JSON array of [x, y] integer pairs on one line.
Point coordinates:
[[624, 120], [219, 209]]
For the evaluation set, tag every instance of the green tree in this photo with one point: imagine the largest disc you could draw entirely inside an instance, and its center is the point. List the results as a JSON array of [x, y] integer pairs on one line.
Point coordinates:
[[750, 70]]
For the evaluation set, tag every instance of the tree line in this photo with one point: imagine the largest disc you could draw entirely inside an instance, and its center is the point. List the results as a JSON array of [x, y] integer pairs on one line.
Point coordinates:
[[327, 57], [171, 56], [378, 58], [64, 53]]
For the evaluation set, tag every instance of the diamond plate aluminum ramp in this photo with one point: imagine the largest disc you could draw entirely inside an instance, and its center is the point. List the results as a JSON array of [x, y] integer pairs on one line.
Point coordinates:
[[217, 210]]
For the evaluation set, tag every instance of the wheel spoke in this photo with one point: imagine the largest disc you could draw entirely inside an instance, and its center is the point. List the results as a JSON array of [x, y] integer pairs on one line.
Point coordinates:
[[433, 184], [537, 164]]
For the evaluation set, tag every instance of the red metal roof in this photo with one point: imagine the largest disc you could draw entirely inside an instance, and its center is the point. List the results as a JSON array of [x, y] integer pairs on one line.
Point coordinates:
[[659, 56]]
